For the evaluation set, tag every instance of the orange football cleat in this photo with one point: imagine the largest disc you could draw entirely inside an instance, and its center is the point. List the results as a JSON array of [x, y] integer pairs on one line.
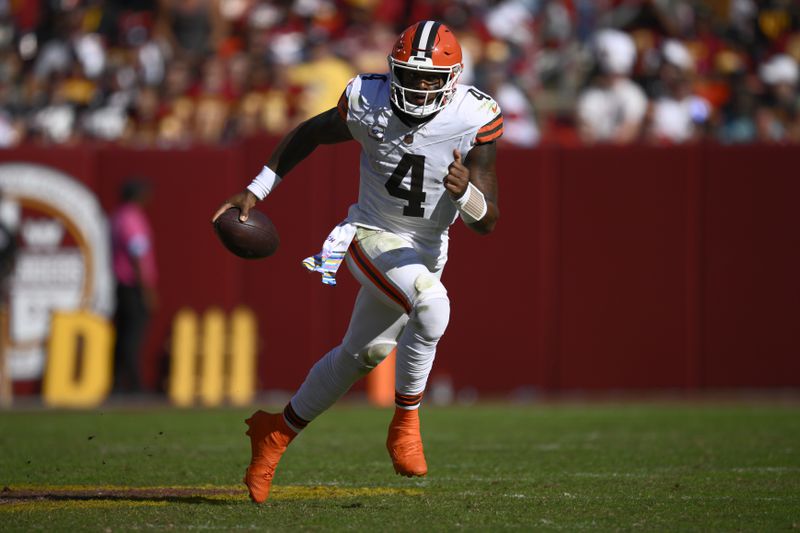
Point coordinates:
[[269, 437], [405, 443]]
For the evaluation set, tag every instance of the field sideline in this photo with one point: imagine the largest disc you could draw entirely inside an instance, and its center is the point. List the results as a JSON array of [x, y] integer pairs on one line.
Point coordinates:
[[556, 467]]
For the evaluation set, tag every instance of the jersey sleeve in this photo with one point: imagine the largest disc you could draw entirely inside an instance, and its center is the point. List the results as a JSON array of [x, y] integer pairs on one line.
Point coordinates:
[[342, 106], [491, 131], [344, 101], [481, 114]]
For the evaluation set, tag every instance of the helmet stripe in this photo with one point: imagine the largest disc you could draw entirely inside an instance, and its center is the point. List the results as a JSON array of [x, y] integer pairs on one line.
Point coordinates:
[[415, 44], [426, 33]]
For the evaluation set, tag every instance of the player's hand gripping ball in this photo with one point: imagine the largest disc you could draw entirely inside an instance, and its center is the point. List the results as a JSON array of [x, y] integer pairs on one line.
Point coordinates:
[[255, 238]]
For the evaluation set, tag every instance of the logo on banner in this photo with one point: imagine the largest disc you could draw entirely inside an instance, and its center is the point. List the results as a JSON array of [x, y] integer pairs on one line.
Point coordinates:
[[63, 262]]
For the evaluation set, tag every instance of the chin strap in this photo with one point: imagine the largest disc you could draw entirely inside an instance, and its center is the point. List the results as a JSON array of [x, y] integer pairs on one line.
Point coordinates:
[[472, 204]]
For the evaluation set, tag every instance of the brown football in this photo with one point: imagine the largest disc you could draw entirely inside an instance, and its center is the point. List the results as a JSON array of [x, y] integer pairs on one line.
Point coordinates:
[[255, 238]]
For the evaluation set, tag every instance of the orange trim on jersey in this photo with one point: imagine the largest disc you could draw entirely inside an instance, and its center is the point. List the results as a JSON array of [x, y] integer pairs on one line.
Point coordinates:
[[342, 106], [491, 131], [489, 138], [377, 278], [492, 124]]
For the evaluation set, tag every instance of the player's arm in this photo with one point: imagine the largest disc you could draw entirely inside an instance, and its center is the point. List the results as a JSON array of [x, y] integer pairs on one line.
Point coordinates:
[[472, 184], [328, 127]]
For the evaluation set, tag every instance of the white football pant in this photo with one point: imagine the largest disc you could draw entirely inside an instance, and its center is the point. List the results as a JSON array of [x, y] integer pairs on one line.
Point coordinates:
[[401, 303]]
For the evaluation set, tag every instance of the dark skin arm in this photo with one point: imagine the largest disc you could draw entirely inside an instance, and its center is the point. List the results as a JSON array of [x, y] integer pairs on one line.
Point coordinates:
[[325, 128], [478, 169]]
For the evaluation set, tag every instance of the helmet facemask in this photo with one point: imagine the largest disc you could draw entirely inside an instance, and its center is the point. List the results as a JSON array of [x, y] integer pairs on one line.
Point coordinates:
[[403, 95]]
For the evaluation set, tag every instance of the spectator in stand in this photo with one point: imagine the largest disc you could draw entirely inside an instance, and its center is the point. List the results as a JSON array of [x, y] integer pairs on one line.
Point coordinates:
[[212, 105], [778, 114], [11, 129], [266, 107], [176, 105], [194, 28], [12, 110], [738, 115], [86, 69], [129, 23], [239, 67], [107, 119], [613, 107], [134, 265], [145, 124], [772, 24], [56, 122], [520, 123], [677, 115], [12, 122], [321, 79], [367, 46]]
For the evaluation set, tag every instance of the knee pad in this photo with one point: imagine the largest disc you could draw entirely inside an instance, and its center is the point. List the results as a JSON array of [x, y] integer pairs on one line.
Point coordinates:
[[431, 307], [360, 361], [373, 355]]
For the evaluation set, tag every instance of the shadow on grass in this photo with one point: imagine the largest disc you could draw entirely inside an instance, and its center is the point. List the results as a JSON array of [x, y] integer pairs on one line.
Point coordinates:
[[154, 495]]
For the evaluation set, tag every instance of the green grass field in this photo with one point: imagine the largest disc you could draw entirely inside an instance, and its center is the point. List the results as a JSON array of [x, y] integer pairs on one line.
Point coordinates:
[[566, 467]]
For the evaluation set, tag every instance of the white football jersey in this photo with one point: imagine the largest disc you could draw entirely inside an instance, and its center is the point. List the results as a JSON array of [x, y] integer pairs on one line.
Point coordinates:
[[403, 167]]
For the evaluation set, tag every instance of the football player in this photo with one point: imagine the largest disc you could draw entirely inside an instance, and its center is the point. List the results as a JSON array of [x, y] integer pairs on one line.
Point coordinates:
[[427, 157]]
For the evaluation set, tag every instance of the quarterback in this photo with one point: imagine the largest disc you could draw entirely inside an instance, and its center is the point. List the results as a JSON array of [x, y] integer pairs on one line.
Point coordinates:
[[427, 158]]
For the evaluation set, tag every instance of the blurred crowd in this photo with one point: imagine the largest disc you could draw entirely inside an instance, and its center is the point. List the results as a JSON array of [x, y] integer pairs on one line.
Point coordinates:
[[170, 73]]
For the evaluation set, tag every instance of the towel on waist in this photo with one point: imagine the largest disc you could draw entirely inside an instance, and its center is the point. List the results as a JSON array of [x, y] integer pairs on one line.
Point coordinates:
[[328, 261]]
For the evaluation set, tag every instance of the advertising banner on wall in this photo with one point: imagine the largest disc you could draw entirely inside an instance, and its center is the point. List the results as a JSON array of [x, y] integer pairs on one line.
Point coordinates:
[[62, 262]]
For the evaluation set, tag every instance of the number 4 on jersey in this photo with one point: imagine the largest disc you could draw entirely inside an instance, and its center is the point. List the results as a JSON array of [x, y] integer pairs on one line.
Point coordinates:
[[415, 195]]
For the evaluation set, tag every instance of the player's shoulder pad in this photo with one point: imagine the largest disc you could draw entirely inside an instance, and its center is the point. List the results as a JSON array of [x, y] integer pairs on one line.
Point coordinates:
[[373, 81], [372, 89], [481, 112]]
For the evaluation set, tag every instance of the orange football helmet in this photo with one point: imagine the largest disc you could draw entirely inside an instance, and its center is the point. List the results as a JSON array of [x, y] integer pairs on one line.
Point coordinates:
[[426, 48]]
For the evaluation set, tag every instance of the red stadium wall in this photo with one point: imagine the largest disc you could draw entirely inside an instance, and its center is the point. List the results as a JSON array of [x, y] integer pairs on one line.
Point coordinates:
[[611, 268]]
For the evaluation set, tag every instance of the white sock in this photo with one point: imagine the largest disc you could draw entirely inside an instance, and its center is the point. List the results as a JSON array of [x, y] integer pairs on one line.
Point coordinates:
[[326, 382]]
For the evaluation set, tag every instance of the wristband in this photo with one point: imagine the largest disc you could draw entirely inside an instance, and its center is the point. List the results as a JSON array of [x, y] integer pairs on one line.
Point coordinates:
[[263, 184], [472, 204]]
